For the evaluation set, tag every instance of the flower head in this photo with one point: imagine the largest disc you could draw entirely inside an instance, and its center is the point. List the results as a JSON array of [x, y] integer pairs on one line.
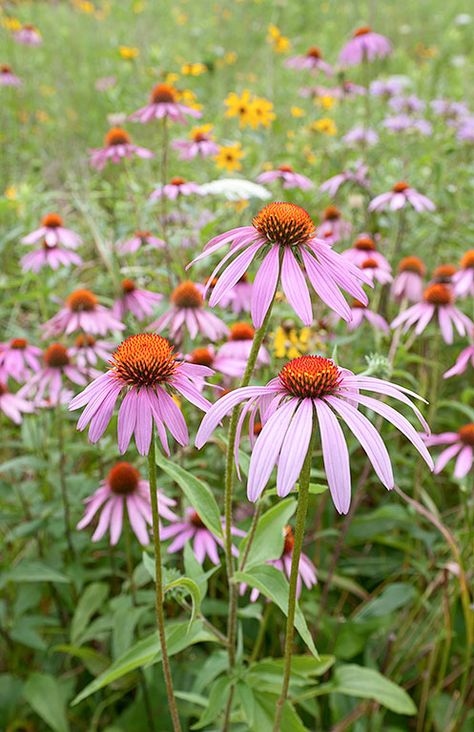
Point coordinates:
[[408, 283], [82, 311], [54, 233], [175, 188], [229, 157], [200, 144], [365, 45], [18, 359], [147, 369], [49, 256], [13, 405], [400, 196], [140, 303], [47, 381], [192, 528], [117, 146], [311, 60], [461, 444], [164, 104], [138, 240], [187, 310], [463, 280], [7, 77], [310, 390], [288, 177]]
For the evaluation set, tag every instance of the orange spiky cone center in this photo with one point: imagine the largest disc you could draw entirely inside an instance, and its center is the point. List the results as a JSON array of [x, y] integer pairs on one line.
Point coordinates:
[[202, 357], [310, 377], [52, 221], [187, 295], [123, 479], [117, 136], [56, 356], [241, 332], [82, 301], [18, 344], [466, 434], [412, 264], [146, 359], [163, 94], [284, 223], [438, 294]]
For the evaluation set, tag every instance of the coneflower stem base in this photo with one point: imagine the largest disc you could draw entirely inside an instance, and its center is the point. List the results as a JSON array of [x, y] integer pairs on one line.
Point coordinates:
[[303, 499], [159, 596]]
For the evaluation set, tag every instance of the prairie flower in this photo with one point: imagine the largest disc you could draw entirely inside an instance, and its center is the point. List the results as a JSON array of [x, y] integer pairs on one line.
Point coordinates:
[[118, 145], [388, 87], [54, 233], [164, 103], [191, 528], [239, 345], [363, 136], [463, 280], [376, 270], [187, 311], [400, 196], [286, 234], [363, 248], [200, 144], [357, 176], [47, 382], [365, 45], [82, 311], [226, 364], [138, 240], [310, 390], [195, 69], [87, 350], [462, 361], [290, 342], [361, 312], [444, 273], [461, 444], [146, 368], [405, 123], [261, 113], [333, 227], [311, 60], [13, 405], [7, 77], [229, 157], [128, 52], [325, 125], [123, 489], [409, 103], [136, 301], [28, 35], [288, 177], [239, 106], [409, 281], [18, 358], [49, 256], [438, 300], [174, 189]]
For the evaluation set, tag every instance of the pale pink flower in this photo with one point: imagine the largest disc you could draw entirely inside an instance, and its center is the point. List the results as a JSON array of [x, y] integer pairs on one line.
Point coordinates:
[[463, 280], [54, 233], [228, 366], [140, 303], [118, 145], [357, 176], [288, 177], [13, 405], [287, 234], [187, 311], [438, 300], [82, 311], [139, 240], [400, 196], [49, 256], [18, 359], [309, 389], [145, 367], [239, 345], [28, 35], [333, 227], [191, 528], [124, 489], [376, 270], [87, 350], [7, 77], [311, 60], [238, 298], [365, 45], [462, 361], [461, 443], [408, 283], [176, 188], [365, 248], [361, 312], [47, 382], [164, 103], [200, 144]]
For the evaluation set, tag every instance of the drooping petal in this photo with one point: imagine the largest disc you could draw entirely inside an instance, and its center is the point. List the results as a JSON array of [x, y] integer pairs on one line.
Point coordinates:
[[335, 456], [222, 407], [264, 286], [295, 288], [294, 447]]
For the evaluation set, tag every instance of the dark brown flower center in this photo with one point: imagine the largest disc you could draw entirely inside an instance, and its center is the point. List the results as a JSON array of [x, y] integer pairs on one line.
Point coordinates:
[[466, 434], [284, 223], [5, 69], [123, 479], [187, 295], [18, 344], [85, 341], [310, 377], [369, 264], [146, 359], [289, 540], [444, 273], [163, 94], [143, 234], [362, 31], [400, 187], [412, 264], [313, 52], [52, 221], [202, 357], [438, 294], [365, 244], [285, 168], [358, 304], [241, 332], [331, 213], [56, 356], [128, 286], [196, 520], [178, 181], [467, 261], [117, 136], [81, 301]]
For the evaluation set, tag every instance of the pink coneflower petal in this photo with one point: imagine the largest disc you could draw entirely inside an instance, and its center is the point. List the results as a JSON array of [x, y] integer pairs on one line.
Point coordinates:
[[264, 286], [463, 462], [173, 417], [294, 448], [446, 456], [295, 287], [104, 520], [116, 520], [233, 273], [325, 288], [335, 457], [137, 521]]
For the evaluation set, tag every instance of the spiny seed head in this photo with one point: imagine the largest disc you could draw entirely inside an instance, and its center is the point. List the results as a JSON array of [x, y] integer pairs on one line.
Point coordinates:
[[146, 359], [163, 94], [466, 434], [117, 136], [202, 357], [369, 263], [289, 540], [365, 244], [52, 221], [241, 332], [284, 223], [177, 181], [412, 264], [444, 273], [310, 377], [81, 301], [467, 261], [123, 479], [362, 31], [196, 520], [5, 69], [313, 52], [83, 340], [56, 356], [331, 213], [18, 344], [438, 294], [400, 187], [128, 286], [187, 295]]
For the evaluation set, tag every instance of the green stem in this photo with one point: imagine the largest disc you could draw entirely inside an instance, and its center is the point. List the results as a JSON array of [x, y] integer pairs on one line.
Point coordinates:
[[159, 596], [303, 499]]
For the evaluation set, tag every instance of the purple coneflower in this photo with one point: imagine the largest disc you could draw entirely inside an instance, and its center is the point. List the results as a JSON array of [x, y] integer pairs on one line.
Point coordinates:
[[139, 240], [118, 145], [312, 389], [192, 528], [164, 104], [365, 45], [28, 35], [18, 358], [187, 311], [7, 77], [358, 176], [47, 382], [438, 300], [146, 367], [87, 350], [13, 405], [176, 188], [409, 103], [376, 270], [288, 177], [82, 311], [54, 233], [449, 109], [466, 356], [333, 227], [238, 298], [49, 256], [136, 301], [311, 60], [400, 196], [361, 312], [362, 249], [408, 284], [200, 144], [463, 280], [286, 233], [444, 274], [124, 488], [239, 345], [220, 363], [461, 443]]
